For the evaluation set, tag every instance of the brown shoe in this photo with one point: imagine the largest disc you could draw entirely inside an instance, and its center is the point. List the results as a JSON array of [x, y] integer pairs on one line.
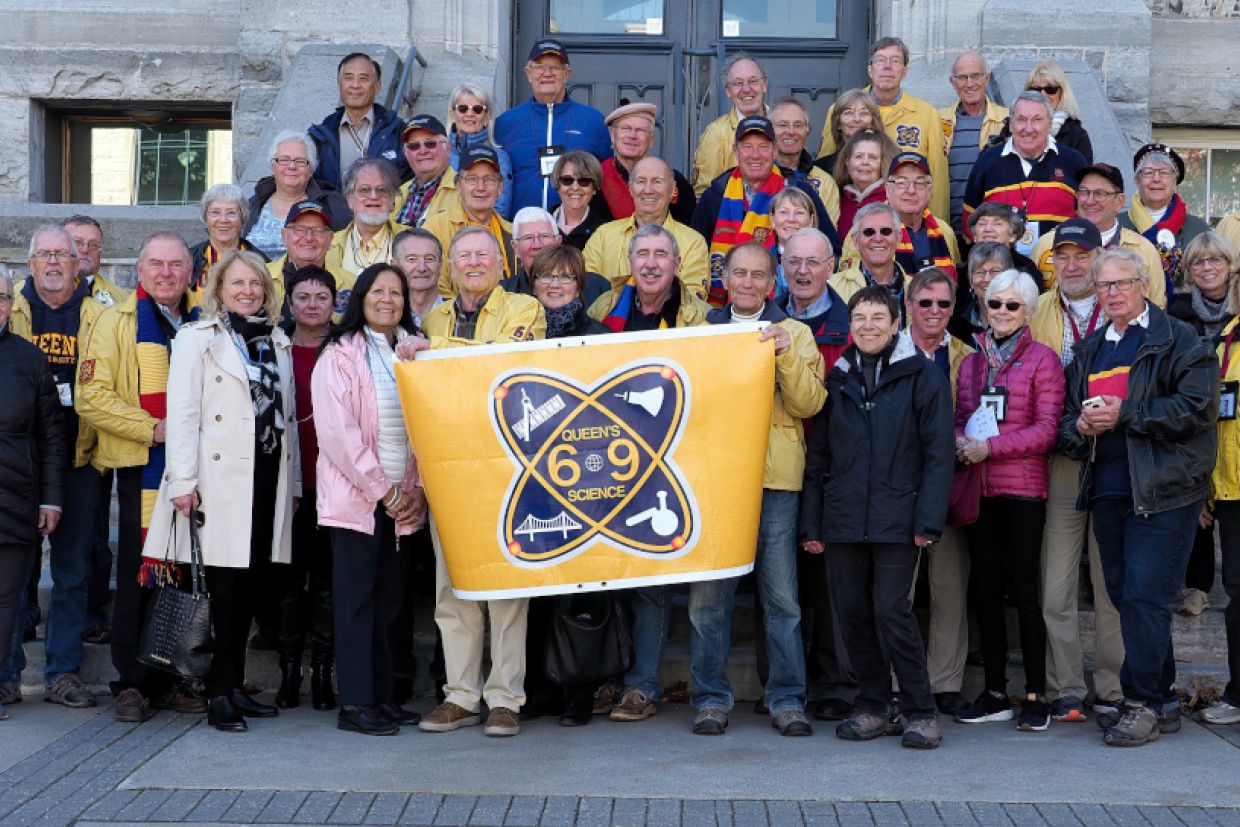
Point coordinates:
[[180, 699], [606, 698], [447, 717], [501, 723], [634, 705], [131, 708]]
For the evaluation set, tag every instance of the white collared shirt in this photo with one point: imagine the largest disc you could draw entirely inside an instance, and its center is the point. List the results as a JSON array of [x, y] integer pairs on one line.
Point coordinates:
[[1025, 163], [1113, 335]]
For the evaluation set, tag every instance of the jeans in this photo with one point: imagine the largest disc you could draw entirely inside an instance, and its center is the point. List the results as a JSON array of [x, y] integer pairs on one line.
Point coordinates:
[[73, 545], [710, 613], [649, 610], [1227, 513], [1143, 560]]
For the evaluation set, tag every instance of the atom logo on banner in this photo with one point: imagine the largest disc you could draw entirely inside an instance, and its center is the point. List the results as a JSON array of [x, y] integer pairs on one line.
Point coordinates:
[[594, 464]]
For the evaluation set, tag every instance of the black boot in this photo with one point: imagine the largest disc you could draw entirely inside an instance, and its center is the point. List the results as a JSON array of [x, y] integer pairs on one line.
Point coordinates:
[[223, 715], [288, 695], [250, 707], [322, 696]]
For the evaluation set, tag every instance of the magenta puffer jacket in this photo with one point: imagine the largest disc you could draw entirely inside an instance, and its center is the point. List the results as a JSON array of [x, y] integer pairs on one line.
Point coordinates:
[[1034, 380]]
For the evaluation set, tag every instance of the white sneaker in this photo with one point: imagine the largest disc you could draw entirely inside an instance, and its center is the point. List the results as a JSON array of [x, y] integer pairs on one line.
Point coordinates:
[[1221, 713]]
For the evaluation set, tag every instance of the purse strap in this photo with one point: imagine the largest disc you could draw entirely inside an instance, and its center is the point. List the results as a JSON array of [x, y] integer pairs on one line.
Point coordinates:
[[198, 573]]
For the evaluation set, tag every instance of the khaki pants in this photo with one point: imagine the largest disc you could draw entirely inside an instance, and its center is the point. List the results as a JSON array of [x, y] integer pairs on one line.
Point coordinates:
[[463, 625], [948, 638], [1065, 534]]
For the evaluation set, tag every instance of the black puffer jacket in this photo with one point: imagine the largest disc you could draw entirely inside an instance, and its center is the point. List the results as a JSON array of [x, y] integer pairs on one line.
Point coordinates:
[[33, 446], [1168, 417], [879, 470]]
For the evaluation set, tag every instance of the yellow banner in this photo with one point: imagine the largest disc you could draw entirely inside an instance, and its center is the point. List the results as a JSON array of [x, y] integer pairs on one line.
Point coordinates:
[[601, 462]]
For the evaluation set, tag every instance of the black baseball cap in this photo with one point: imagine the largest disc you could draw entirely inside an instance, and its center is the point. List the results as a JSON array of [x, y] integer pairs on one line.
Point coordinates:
[[1106, 171], [548, 46], [482, 153], [427, 123], [1078, 231], [915, 158], [755, 123], [308, 207]]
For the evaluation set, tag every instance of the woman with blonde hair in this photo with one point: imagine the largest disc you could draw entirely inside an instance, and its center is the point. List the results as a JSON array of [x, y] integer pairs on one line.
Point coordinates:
[[1048, 77], [791, 210], [231, 463], [853, 111], [470, 115]]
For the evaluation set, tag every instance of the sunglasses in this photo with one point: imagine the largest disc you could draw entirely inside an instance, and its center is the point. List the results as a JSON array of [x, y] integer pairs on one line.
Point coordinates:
[[870, 232], [995, 304], [1050, 89], [567, 181], [942, 304], [416, 146], [465, 108]]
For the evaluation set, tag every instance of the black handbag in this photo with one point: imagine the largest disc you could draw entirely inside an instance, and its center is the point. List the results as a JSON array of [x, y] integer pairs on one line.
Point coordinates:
[[589, 639], [176, 635]]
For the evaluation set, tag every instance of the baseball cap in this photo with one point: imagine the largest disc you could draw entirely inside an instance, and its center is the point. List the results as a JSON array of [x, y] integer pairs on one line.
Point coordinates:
[[308, 207], [548, 46], [914, 158], [755, 123], [1078, 231], [482, 153], [427, 123], [1106, 171]]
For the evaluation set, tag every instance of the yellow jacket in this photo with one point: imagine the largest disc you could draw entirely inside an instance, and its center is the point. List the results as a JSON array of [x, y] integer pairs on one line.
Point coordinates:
[[850, 255], [992, 122], [956, 351], [107, 389], [607, 252], [799, 394], [691, 314], [915, 127], [1229, 228], [445, 225], [1227, 468], [444, 198], [1155, 283], [714, 153], [506, 317], [828, 192], [847, 282], [333, 262]]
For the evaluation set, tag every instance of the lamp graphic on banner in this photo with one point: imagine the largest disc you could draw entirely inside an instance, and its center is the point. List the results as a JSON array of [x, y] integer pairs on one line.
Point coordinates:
[[651, 401]]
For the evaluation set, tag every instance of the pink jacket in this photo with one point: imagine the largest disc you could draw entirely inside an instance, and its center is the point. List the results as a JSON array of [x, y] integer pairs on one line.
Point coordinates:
[[350, 481], [1034, 380]]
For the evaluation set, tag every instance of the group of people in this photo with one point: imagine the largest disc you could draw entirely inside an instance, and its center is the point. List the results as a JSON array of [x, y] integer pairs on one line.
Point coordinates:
[[970, 335]]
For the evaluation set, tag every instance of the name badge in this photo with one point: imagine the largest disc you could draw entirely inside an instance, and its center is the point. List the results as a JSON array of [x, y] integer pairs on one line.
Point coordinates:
[[997, 400], [1227, 393], [65, 391], [548, 157]]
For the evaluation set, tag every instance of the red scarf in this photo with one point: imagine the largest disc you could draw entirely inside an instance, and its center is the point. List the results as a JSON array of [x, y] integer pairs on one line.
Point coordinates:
[[616, 191], [940, 253]]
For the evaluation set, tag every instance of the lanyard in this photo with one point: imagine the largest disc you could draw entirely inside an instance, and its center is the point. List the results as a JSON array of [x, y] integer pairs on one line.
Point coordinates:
[[1227, 352], [1093, 320]]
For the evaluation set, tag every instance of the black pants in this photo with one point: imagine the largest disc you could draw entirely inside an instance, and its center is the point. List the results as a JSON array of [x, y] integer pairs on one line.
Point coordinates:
[[98, 587], [303, 611], [870, 583], [234, 590], [129, 610], [367, 592], [1227, 512], [14, 559], [416, 546], [1005, 549], [1200, 573]]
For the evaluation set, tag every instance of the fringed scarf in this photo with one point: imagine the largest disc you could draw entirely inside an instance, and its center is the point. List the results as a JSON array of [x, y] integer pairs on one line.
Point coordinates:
[[739, 222], [940, 253], [619, 315], [1164, 234], [263, 374], [997, 353], [154, 336]]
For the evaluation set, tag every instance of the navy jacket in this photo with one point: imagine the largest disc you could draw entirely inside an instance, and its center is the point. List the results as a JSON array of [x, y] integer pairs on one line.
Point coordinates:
[[384, 143]]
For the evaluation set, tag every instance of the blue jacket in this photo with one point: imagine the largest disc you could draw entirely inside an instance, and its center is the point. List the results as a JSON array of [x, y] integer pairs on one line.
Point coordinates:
[[460, 141], [384, 143], [524, 129]]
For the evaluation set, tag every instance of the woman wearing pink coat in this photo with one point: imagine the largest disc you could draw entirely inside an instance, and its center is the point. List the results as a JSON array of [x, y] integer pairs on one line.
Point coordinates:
[[1009, 397]]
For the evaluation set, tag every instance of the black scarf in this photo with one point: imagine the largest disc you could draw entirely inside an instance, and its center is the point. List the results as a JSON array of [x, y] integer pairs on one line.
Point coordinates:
[[264, 375], [563, 320]]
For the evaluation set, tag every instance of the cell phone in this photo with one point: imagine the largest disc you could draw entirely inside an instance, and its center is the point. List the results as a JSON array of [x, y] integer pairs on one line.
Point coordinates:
[[1093, 402]]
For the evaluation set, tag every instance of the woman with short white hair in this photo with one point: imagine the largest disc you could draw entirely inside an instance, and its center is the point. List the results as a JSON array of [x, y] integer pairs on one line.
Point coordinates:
[[1159, 213], [294, 158], [225, 210], [1009, 397]]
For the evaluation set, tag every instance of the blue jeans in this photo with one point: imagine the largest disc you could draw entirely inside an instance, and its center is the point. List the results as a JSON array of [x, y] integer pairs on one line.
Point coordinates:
[[1143, 563], [73, 546], [710, 612], [648, 610]]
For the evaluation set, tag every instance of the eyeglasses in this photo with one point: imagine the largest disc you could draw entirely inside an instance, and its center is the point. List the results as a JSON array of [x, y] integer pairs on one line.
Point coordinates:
[[544, 68], [367, 192], [995, 304], [48, 255], [288, 161], [297, 231], [470, 180], [1118, 286], [1207, 261], [941, 304], [418, 146], [741, 83], [795, 263], [555, 278], [870, 232], [581, 181], [990, 274], [465, 108], [1095, 195], [919, 184], [544, 238], [1048, 90], [217, 214], [1155, 172], [91, 246], [972, 77], [886, 61]]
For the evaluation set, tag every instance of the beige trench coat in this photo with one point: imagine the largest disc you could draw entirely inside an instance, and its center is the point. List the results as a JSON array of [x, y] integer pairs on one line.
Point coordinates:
[[211, 449]]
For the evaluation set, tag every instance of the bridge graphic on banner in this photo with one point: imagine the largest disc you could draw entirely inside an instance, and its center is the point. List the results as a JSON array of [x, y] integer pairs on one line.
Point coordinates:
[[594, 464]]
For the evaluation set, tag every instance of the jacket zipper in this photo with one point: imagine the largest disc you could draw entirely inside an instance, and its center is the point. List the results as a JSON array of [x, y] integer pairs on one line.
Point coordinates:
[[547, 178]]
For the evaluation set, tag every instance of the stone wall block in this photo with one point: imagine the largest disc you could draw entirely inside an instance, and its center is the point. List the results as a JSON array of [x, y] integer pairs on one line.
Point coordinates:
[[1127, 77], [262, 56]]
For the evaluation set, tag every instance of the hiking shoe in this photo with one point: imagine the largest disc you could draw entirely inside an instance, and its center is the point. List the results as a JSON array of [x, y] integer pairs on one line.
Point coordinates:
[[1068, 709], [949, 703], [989, 706], [792, 722], [866, 725], [67, 690], [131, 708], [1035, 716], [502, 723], [1168, 717], [179, 698], [10, 693], [710, 721], [447, 717], [1136, 727], [922, 732], [634, 705], [1221, 713], [1101, 707], [1194, 603], [606, 698]]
